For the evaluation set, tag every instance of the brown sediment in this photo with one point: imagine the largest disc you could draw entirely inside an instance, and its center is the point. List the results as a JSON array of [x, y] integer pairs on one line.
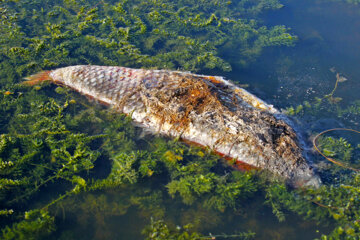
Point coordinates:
[[191, 95], [196, 96], [213, 79]]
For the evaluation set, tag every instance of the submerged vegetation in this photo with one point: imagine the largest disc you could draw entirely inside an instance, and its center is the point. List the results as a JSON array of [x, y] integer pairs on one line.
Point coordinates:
[[338, 200], [159, 230], [329, 105], [37, 35], [63, 159], [41, 150], [56, 148]]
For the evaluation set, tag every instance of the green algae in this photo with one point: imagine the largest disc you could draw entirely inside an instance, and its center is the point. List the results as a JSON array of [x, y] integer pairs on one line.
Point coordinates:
[[340, 150], [37, 35], [60, 142], [337, 201], [36, 225], [328, 106], [159, 230], [51, 138]]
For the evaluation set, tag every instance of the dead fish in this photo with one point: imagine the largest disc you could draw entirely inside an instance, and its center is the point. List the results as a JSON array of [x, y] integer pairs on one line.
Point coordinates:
[[206, 110]]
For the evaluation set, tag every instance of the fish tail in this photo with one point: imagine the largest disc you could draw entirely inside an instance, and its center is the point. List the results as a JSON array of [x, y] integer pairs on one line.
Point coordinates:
[[37, 78]]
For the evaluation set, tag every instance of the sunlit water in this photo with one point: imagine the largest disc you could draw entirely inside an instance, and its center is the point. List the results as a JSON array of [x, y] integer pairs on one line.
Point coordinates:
[[329, 38]]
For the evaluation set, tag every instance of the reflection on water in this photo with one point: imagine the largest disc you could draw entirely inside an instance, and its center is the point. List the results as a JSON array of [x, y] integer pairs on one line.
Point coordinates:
[[109, 215]]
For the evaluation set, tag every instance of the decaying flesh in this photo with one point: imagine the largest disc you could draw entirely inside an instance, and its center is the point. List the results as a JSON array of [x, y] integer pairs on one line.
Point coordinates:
[[206, 110]]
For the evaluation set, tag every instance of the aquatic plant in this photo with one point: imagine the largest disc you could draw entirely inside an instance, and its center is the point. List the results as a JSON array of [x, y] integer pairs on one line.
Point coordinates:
[[88, 154], [47, 142], [38, 150], [339, 203], [35, 225], [338, 151], [158, 230], [336, 202], [162, 34], [328, 106]]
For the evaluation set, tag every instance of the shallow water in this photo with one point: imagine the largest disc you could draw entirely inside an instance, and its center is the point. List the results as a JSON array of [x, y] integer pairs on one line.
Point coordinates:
[[329, 43], [328, 38], [106, 222], [283, 77]]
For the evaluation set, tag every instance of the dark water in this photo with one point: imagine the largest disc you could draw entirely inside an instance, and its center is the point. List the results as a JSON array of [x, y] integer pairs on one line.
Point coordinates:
[[84, 222], [329, 43], [328, 38]]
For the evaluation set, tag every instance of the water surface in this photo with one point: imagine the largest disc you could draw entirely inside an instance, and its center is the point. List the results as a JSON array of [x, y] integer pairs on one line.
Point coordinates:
[[329, 43], [287, 76]]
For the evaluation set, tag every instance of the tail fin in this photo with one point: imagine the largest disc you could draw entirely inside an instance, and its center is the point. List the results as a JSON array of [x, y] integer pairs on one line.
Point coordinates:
[[37, 78]]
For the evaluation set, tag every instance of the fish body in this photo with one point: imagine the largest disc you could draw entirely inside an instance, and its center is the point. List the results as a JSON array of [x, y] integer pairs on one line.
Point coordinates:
[[207, 110]]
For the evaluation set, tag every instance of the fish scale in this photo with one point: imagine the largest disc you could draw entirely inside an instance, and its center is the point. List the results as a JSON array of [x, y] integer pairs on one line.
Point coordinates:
[[206, 110]]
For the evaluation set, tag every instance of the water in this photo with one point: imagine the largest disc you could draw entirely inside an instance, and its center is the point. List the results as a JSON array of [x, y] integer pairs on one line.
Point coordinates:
[[329, 43], [328, 38], [106, 221]]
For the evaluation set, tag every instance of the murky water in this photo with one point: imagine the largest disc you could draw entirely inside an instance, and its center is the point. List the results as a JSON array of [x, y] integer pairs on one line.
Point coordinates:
[[329, 43], [106, 221]]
